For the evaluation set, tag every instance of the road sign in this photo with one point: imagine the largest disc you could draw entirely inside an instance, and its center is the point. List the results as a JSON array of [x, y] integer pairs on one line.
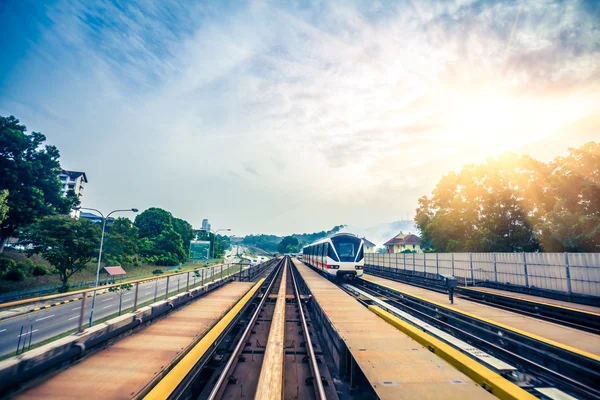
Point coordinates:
[[199, 250]]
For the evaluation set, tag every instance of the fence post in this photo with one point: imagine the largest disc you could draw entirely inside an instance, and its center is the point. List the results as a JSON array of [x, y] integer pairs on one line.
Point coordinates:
[[424, 264], [569, 289], [135, 298], [187, 286], [167, 289], [82, 312], [396, 262], [202, 278], [471, 263], [404, 257], [525, 269], [414, 266], [495, 270], [452, 264], [437, 264]]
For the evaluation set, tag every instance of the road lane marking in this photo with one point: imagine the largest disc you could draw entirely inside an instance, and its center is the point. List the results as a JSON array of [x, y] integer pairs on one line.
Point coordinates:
[[106, 300], [76, 308], [40, 319], [110, 305], [73, 318], [2, 330], [27, 333]]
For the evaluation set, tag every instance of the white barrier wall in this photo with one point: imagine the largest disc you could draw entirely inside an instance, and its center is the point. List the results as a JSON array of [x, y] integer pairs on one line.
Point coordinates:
[[577, 273]]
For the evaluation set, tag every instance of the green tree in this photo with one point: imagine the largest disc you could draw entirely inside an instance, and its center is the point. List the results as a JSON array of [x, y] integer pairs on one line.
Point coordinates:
[[153, 221], [572, 221], [121, 242], [120, 291], [3, 205], [288, 244], [30, 173], [184, 229], [67, 243]]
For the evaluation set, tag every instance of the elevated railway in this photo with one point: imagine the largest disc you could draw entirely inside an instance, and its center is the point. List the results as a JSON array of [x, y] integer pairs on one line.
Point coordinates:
[[294, 334]]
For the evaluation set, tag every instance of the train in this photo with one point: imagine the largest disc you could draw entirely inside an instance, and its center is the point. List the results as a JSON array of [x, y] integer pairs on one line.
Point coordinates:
[[339, 256]]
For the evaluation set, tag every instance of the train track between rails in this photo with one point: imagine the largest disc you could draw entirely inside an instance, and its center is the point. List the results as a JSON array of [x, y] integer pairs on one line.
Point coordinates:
[[537, 363], [277, 354]]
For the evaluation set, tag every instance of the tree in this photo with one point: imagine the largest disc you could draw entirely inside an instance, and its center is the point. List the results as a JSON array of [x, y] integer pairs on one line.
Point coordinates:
[[121, 242], [184, 229], [67, 243], [3, 205], [288, 244], [515, 203], [153, 221], [30, 173], [120, 290]]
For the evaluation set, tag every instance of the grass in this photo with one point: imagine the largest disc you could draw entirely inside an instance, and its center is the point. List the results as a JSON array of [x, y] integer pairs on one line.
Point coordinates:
[[199, 282], [86, 275]]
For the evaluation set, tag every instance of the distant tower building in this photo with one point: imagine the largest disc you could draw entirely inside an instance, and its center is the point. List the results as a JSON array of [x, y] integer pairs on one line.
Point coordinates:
[[205, 225], [73, 180]]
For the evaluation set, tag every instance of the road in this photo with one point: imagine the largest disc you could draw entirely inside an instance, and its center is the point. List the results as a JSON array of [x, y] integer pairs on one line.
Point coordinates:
[[46, 323]]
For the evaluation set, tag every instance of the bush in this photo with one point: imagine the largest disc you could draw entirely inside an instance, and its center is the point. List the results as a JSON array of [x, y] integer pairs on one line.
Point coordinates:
[[157, 271], [39, 270], [6, 264], [14, 275]]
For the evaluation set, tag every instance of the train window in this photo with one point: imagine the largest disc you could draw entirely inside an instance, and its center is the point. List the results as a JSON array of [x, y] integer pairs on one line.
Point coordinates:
[[346, 247], [331, 254], [360, 254]]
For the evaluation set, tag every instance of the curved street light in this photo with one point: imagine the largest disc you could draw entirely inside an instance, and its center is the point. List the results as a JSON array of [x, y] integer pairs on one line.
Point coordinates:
[[215, 240], [100, 253]]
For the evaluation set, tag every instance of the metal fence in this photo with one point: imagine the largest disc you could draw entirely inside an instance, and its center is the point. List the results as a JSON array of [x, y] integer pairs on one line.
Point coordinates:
[[570, 273]]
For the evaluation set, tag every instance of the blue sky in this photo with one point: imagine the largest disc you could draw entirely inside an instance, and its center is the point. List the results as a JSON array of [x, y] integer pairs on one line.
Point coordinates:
[[296, 116]]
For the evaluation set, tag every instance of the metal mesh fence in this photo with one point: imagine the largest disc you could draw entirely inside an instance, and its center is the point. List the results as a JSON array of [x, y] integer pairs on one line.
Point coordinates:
[[570, 273]]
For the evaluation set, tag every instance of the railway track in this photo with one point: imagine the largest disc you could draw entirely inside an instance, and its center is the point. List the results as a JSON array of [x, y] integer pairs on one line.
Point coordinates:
[[571, 317], [276, 355], [535, 364]]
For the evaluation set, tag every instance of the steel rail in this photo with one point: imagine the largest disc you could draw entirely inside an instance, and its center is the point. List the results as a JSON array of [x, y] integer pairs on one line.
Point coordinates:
[[238, 348], [320, 391], [535, 368]]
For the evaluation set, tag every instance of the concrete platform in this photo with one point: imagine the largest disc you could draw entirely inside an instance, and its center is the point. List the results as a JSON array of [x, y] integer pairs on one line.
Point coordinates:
[[125, 368], [396, 366]]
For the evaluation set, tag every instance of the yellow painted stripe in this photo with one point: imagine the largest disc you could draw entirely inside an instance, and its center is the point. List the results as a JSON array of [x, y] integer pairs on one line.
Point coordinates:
[[498, 324], [169, 382], [37, 309], [48, 306], [531, 301], [488, 379]]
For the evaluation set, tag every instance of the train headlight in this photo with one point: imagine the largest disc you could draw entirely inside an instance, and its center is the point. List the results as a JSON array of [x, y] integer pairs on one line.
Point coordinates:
[[359, 267], [335, 266]]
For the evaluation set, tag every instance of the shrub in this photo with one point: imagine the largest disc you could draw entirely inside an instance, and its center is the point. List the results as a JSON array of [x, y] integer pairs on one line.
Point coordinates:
[[14, 275], [39, 270], [6, 264], [157, 271]]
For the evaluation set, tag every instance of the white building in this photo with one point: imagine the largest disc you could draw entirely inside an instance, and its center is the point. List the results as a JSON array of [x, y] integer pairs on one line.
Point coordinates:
[[73, 180]]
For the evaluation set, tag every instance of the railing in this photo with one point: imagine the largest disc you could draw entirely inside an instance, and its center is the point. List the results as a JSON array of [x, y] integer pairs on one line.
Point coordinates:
[[568, 273]]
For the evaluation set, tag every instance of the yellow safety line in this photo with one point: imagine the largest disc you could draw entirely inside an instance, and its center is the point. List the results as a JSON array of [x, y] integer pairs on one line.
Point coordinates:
[[489, 380], [492, 322], [173, 378], [531, 301]]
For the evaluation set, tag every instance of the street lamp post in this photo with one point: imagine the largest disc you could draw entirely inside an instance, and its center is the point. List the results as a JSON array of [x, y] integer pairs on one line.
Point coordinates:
[[215, 238], [100, 253]]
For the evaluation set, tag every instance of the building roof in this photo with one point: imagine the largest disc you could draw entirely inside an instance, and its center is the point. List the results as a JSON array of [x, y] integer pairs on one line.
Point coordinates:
[[408, 239], [112, 271], [75, 174], [368, 242]]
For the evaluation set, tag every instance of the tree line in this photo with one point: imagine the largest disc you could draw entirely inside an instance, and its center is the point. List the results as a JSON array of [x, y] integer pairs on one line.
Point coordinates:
[[33, 209], [515, 203], [287, 244]]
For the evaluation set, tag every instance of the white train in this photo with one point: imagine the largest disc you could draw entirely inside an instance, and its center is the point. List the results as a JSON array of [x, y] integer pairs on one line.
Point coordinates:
[[339, 256]]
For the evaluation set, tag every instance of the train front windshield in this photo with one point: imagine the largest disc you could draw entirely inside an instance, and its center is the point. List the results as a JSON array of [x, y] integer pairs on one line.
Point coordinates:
[[347, 247]]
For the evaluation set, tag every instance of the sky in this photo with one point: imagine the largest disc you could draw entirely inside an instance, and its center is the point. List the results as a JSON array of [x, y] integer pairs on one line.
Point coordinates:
[[295, 116]]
